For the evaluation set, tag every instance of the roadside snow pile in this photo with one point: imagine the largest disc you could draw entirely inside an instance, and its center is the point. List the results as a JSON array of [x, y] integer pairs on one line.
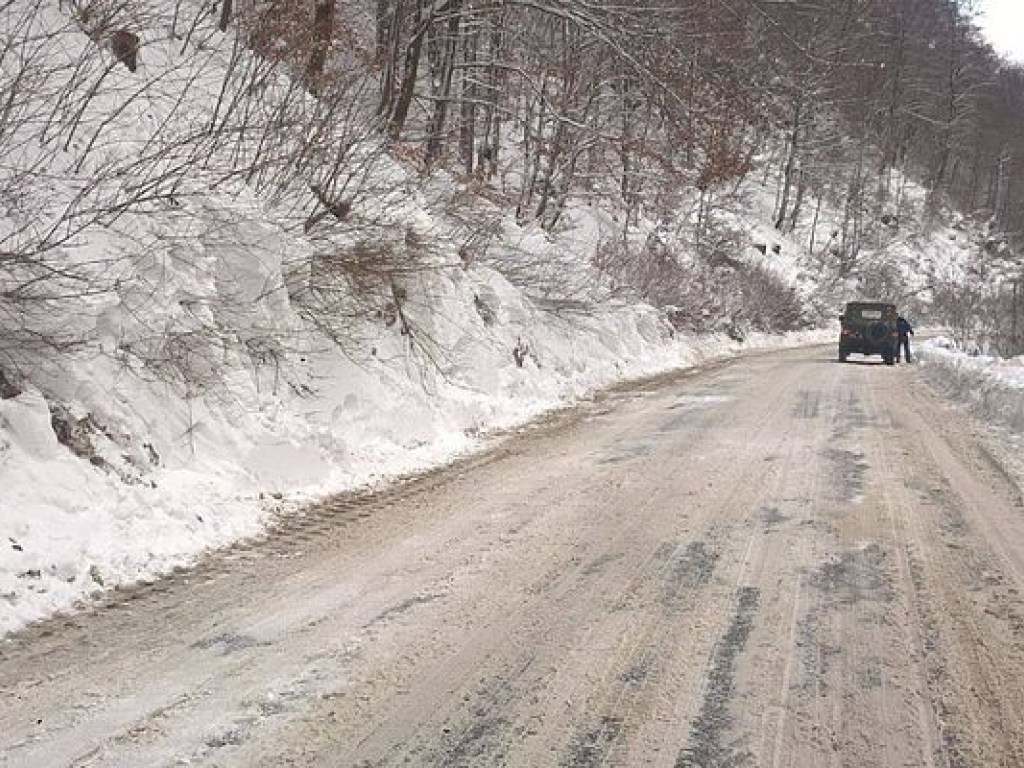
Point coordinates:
[[80, 516], [991, 387], [70, 528]]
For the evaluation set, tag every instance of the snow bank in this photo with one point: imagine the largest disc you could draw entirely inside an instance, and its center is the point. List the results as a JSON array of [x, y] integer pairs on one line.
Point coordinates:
[[991, 387], [218, 465]]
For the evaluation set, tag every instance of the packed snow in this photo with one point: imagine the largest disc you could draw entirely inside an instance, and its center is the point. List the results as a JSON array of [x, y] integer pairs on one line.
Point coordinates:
[[989, 386]]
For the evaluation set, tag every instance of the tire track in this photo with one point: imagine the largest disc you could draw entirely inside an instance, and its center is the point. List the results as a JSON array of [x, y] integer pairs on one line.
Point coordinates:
[[778, 562]]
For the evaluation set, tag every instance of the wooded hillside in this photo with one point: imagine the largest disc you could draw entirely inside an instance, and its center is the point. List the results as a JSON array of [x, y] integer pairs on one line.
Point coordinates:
[[655, 113]]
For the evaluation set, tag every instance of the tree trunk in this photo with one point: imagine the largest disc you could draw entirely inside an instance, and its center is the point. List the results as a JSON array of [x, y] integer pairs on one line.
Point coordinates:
[[435, 137], [801, 188], [494, 89], [323, 32], [411, 64], [225, 15], [410, 68], [814, 224], [792, 148], [467, 121], [389, 28]]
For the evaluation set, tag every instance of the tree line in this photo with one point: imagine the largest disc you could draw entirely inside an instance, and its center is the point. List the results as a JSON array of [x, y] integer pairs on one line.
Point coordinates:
[[654, 111], [648, 94], [658, 106]]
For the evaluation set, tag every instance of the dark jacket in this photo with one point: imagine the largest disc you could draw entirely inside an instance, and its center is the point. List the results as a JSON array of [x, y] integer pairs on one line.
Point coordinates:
[[903, 328]]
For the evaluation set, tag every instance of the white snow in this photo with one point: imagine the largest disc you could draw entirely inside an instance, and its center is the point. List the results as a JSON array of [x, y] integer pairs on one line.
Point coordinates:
[[192, 429], [71, 529], [990, 386]]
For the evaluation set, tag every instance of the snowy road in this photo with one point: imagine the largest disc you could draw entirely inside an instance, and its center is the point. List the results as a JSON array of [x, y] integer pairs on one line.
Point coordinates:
[[779, 561]]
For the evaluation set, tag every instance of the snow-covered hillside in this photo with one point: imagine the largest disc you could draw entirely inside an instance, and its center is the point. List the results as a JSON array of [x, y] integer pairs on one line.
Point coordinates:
[[210, 376]]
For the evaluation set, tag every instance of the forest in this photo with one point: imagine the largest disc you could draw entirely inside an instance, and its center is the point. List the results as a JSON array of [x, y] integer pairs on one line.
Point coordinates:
[[335, 114]]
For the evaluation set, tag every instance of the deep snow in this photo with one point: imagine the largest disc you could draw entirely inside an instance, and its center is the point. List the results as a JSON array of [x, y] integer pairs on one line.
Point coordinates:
[[72, 528]]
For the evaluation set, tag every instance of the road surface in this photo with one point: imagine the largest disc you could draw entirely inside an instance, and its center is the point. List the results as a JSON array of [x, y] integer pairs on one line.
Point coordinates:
[[777, 561]]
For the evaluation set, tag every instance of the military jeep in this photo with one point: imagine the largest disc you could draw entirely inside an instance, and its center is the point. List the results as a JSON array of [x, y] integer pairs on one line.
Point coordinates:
[[869, 328]]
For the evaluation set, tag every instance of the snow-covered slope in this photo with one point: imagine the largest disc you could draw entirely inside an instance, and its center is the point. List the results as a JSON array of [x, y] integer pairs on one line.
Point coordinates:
[[220, 380]]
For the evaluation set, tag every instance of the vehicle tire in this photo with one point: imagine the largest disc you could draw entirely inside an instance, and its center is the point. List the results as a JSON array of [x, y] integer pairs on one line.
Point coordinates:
[[878, 333], [842, 356], [889, 359]]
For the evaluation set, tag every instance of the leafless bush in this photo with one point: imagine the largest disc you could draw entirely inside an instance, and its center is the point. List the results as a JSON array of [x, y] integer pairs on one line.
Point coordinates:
[[958, 304], [769, 303], [348, 294], [984, 312], [67, 180], [711, 289], [51, 197], [687, 290], [1007, 314]]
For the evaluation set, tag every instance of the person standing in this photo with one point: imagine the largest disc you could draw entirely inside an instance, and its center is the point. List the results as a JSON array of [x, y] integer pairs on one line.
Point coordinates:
[[905, 331]]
